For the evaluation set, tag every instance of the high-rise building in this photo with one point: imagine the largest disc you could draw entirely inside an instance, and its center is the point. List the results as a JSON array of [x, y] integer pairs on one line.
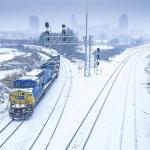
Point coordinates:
[[34, 24], [123, 23], [73, 23], [105, 28]]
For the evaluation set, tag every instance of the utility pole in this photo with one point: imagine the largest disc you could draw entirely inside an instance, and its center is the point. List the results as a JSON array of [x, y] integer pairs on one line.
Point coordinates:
[[90, 50], [86, 42]]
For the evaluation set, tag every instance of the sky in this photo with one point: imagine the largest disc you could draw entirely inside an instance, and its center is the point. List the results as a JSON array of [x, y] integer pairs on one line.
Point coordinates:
[[14, 14]]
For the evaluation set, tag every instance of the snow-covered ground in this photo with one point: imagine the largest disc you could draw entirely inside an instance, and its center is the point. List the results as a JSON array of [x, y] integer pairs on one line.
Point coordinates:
[[16, 62], [9, 53], [84, 92], [102, 47], [123, 123]]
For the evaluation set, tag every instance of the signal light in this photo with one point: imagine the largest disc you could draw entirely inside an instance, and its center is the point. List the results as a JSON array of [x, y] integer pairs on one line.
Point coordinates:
[[46, 24], [97, 63], [98, 50]]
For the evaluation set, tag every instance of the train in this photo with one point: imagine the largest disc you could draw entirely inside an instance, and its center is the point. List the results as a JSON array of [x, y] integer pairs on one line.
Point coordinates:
[[28, 90]]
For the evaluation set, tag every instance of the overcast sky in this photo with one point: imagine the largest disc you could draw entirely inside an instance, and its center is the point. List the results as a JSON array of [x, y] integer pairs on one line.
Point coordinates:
[[14, 14]]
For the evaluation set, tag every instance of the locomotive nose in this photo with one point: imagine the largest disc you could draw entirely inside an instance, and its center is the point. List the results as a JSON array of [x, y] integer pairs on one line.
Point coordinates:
[[20, 95]]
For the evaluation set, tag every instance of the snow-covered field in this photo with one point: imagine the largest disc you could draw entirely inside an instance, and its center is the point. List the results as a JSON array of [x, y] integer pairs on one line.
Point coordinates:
[[102, 47], [107, 134], [124, 122], [9, 53], [17, 62]]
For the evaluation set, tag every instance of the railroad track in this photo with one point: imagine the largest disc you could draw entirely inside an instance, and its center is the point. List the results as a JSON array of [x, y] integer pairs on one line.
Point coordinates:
[[5, 135], [13, 126], [83, 132], [124, 109], [133, 68], [125, 103], [59, 119], [62, 110], [1, 130], [135, 112]]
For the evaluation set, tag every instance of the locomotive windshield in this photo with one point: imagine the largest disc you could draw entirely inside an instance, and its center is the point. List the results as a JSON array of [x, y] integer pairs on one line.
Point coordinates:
[[24, 84]]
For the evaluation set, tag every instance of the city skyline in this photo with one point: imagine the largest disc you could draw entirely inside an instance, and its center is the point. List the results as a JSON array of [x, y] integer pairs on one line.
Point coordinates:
[[15, 13]]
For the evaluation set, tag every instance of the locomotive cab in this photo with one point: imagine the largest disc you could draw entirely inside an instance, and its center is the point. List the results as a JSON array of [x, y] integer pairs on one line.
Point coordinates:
[[22, 97]]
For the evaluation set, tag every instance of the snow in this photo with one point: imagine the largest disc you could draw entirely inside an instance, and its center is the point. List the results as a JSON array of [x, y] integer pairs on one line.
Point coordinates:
[[4, 105], [5, 73], [34, 72], [116, 125], [44, 57], [30, 77], [25, 90], [102, 47], [9, 53], [41, 49], [46, 105], [107, 134]]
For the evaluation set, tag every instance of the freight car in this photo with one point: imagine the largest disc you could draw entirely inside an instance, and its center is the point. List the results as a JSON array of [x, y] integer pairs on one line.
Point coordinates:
[[28, 90]]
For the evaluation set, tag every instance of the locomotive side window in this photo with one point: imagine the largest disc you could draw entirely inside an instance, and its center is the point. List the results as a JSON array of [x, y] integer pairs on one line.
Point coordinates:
[[26, 84]]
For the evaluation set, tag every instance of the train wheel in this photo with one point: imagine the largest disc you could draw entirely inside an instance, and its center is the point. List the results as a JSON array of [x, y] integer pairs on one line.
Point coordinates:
[[26, 117]]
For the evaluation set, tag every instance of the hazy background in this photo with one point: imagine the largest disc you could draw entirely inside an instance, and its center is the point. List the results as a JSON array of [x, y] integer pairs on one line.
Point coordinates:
[[14, 14]]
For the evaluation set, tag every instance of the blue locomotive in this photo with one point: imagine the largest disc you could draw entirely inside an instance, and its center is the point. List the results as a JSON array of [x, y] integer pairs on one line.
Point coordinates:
[[28, 90]]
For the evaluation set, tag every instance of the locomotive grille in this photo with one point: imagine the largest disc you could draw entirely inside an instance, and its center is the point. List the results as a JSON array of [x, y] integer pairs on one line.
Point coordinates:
[[20, 95]]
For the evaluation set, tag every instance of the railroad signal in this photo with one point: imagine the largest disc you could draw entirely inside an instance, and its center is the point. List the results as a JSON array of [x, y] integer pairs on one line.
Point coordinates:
[[98, 56], [97, 63], [98, 50], [64, 32], [63, 26], [98, 53]]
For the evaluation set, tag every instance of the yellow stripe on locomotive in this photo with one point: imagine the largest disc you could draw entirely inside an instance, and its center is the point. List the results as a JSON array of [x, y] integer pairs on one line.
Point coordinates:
[[21, 97]]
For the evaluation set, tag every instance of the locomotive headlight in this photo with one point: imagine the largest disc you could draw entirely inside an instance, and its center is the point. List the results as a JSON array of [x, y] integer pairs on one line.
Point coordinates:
[[23, 109], [29, 97], [29, 94]]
